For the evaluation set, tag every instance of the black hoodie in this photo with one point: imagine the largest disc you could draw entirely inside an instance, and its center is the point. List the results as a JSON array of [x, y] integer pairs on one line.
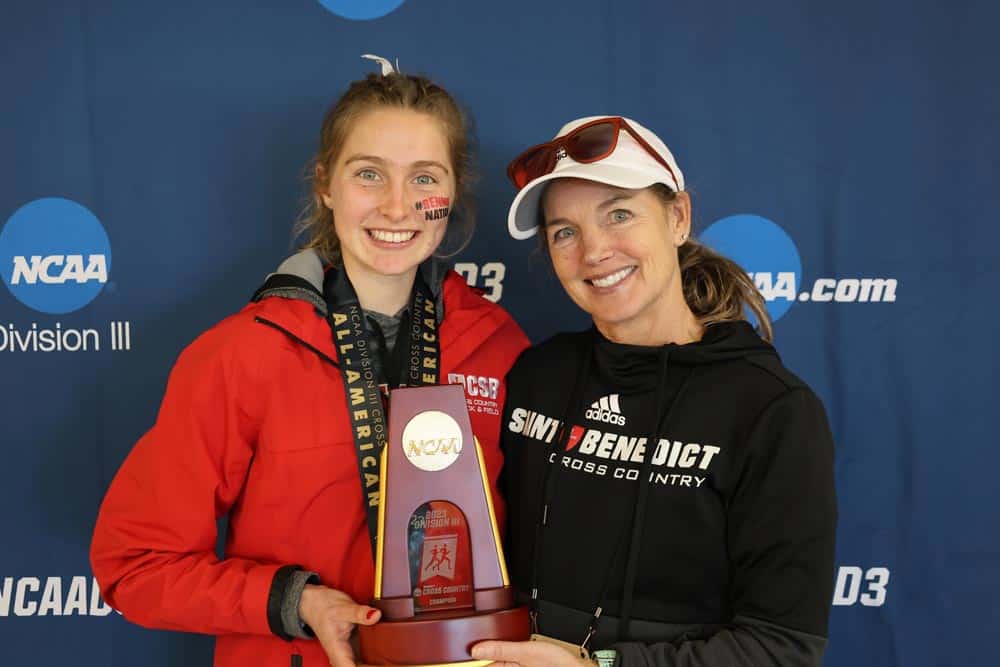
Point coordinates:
[[718, 549]]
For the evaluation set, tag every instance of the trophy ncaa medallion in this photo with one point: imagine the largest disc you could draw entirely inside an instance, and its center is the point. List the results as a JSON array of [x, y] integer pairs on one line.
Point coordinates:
[[432, 440]]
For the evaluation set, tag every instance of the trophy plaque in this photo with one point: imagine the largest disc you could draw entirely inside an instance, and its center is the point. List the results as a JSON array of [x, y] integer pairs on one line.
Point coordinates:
[[440, 576]]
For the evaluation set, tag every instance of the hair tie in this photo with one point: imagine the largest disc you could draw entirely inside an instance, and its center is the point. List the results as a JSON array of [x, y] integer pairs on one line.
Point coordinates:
[[387, 67]]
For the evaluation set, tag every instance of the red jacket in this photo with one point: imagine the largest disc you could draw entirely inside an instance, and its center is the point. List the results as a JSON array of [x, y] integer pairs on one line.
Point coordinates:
[[254, 424]]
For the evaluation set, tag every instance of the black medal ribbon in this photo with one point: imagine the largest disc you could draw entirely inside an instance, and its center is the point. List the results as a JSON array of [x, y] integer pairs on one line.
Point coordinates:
[[363, 374]]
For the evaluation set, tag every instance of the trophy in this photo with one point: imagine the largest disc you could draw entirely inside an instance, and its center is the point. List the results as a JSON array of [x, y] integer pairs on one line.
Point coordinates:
[[440, 576]]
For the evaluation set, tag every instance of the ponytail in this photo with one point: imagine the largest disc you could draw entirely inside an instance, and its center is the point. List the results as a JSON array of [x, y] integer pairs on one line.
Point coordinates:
[[715, 287], [718, 290]]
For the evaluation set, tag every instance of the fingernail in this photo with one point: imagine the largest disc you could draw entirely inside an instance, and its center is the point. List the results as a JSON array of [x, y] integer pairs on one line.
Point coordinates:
[[371, 612]]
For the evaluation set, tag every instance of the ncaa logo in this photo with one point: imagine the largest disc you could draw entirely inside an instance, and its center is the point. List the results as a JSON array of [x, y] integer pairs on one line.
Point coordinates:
[[764, 251], [54, 255], [432, 440], [361, 10]]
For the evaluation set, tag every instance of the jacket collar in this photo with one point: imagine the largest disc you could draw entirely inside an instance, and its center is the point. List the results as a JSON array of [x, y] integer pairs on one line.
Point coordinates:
[[302, 275], [300, 309]]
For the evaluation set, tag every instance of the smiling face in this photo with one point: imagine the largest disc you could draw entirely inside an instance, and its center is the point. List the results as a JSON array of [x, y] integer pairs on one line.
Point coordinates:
[[615, 253], [390, 190]]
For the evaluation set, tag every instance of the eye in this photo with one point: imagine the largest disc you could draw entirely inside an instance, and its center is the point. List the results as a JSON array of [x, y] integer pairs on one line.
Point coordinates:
[[562, 234], [369, 175], [425, 179], [620, 215]]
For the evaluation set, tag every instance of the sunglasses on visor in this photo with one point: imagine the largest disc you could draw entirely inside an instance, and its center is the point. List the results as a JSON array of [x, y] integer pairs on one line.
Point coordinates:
[[591, 142]]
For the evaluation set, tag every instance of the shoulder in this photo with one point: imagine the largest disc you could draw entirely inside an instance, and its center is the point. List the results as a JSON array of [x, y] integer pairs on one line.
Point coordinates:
[[469, 314], [783, 401], [769, 366], [745, 375], [734, 356], [782, 387], [556, 356], [460, 298], [243, 338], [563, 343]]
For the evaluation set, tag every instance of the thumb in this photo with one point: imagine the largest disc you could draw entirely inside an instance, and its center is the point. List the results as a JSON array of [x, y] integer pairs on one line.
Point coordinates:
[[357, 614], [367, 615], [497, 651]]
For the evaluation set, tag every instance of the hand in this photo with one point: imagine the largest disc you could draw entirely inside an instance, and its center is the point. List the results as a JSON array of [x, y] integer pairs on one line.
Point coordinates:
[[526, 654], [332, 615]]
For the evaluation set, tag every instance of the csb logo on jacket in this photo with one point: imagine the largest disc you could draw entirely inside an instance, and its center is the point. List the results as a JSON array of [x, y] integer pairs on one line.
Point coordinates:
[[598, 448], [482, 392]]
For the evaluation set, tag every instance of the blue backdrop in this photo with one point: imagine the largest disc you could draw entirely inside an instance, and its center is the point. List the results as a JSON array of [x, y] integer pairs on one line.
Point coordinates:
[[844, 152]]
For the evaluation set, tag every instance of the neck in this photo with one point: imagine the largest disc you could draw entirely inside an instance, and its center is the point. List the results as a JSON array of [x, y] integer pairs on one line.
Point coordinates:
[[669, 320], [381, 293]]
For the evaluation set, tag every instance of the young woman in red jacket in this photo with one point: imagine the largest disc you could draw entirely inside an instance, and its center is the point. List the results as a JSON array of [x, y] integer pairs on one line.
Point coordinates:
[[255, 421]]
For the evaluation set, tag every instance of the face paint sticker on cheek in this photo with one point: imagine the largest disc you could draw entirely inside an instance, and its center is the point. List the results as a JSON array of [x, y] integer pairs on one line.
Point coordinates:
[[434, 208]]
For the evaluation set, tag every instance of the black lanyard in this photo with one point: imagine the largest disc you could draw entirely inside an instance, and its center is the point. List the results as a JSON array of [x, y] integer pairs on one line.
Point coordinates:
[[557, 448], [363, 375]]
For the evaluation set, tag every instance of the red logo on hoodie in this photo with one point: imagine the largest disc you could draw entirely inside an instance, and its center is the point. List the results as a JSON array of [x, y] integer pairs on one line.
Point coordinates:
[[575, 434]]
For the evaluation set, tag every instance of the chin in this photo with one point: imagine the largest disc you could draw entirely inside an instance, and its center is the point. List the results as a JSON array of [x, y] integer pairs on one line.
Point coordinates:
[[612, 313], [614, 317], [397, 265]]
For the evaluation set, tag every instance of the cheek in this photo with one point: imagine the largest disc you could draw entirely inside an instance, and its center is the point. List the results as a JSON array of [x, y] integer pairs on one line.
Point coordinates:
[[564, 263], [352, 207], [433, 208], [438, 231], [646, 248]]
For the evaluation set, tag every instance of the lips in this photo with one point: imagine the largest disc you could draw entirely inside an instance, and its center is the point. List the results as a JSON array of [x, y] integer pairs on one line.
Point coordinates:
[[611, 279], [385, 236]]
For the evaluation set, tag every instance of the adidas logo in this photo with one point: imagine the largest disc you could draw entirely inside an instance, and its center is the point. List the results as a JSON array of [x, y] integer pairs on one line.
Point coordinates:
[[606, 409]]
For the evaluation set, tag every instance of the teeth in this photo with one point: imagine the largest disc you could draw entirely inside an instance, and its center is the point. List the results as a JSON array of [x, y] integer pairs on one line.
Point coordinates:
[[391, 237], [613, 279]]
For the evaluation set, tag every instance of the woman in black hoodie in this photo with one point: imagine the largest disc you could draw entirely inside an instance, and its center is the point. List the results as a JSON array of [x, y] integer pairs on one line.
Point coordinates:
[[670, 483]]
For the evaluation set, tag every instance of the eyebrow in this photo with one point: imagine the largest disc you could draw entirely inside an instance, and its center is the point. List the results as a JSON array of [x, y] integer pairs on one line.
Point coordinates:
[[364, 158], [431, 163], [416, 165], [622, 196]]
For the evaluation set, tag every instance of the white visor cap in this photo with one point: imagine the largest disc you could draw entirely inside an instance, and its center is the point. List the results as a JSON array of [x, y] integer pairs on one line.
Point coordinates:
[[629, 166]]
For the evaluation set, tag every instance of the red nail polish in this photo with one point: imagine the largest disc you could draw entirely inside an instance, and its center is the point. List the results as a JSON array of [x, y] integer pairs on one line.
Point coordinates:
[[371, 612]]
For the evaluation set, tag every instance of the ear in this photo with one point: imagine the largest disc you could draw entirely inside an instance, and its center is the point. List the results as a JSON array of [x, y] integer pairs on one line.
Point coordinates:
[[680, 224], [321, 185]]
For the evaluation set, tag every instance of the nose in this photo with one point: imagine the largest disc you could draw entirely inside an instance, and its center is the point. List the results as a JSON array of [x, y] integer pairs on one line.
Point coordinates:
[[597, 246], [394, 206]]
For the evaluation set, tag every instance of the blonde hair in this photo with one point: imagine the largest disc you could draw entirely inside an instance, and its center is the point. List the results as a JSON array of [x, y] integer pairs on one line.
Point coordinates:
[[715, 287], [395, 91]]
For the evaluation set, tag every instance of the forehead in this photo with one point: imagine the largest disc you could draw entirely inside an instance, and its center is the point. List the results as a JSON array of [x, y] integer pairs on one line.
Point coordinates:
[[563, 196], [401, 136]]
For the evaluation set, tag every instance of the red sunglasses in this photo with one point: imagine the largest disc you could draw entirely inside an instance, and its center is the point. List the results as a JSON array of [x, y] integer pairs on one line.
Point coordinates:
[[591, 142]]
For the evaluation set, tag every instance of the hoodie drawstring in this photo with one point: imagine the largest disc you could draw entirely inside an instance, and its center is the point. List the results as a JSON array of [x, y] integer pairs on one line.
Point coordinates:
[[548, 484], [638, 515]]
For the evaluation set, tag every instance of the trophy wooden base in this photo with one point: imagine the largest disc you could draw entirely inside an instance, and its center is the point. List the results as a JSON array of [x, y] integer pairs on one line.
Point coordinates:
[[439, 639]]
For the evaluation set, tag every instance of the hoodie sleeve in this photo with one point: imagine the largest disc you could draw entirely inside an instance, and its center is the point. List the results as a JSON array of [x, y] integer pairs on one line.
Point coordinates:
[[153, 549], [781, 529]]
